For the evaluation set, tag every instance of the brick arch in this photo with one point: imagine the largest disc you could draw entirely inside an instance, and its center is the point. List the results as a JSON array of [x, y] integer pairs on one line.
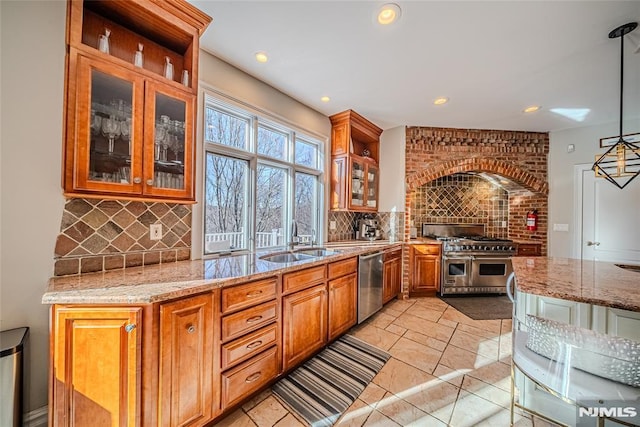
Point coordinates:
[[509, 170]]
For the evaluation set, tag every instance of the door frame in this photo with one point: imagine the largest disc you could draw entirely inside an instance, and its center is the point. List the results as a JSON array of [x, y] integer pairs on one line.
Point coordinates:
[[578, 197]]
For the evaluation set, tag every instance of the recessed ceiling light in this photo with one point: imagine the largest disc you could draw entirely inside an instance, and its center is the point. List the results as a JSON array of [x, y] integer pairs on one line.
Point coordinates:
[[441, 100], [325, 99], [388, 14], [262, 57], [531, 109]]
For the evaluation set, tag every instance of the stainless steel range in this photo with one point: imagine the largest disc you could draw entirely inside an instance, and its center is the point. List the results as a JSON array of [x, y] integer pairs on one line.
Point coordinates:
[[472, 263]]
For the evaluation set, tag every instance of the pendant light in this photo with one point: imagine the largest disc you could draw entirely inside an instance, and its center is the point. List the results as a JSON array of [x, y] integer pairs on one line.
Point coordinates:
[[620, 164]]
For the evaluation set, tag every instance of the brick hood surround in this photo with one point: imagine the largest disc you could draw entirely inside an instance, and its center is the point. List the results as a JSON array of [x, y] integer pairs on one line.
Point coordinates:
[[520, 157]]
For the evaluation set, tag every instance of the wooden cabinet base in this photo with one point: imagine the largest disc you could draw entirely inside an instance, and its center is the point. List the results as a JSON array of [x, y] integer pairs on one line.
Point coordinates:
[[248, 377]]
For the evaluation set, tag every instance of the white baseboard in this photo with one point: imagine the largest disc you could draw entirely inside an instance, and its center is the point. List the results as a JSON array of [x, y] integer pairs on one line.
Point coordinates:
[[36, 418]]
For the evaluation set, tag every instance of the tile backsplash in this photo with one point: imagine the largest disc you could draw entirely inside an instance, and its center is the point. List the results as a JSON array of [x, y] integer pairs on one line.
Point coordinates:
[[97, 235], [391, 225], [462, 199]]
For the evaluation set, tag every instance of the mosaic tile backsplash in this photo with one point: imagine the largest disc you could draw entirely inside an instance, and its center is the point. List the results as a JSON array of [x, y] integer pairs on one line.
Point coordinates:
[[391, 225], [462, 199], [97, 235]]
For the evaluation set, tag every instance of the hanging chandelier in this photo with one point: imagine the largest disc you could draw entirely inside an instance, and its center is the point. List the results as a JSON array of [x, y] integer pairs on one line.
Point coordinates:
[[620, 164]]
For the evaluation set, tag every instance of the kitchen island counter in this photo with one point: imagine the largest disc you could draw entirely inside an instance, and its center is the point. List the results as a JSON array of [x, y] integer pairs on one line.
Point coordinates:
[[162, 282], [593, 282]]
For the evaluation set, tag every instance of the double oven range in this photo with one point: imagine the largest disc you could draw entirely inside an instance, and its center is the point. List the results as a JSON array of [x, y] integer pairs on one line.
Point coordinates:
[[472, 263]]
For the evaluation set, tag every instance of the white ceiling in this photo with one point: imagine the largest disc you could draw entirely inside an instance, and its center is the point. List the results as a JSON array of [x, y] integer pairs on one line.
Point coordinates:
[[492, 59]]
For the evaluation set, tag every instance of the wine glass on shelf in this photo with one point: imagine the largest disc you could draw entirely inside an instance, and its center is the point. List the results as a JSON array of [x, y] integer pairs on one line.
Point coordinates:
[[111, 129], [96, 122], [160, 135], [125, 130]]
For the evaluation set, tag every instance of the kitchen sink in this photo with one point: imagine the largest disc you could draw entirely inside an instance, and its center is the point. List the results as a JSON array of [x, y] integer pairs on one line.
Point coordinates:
[[287, 257], [316, 251]]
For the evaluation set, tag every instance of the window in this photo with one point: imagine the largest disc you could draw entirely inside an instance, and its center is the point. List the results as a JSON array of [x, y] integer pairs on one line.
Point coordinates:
[[260, 175]]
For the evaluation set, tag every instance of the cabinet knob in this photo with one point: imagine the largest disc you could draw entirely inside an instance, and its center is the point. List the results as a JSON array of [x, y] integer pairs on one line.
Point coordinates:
[[137, 180], [149, 182], [130, 327], [191, 329]]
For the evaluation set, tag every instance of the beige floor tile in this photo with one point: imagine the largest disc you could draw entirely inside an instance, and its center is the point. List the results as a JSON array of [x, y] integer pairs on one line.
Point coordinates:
[[488, 325], [390, 311], [505, 345], [432, 303], [496, 373], [401, 378], [375, 336], [236, 419], [436, 398], [539, 422], [507, 326], [472, 410], [395, 329], [449, 323], [415, 354], [457, 358], [257, 399], [290, 421], [372, 394], [377, 419], [401, 304], [355, 415], [487, 391], [381, 320], [485, 346], [425, 327], [399, 410], [479, 331], [268, 412], [449, 375], [424, 312], [425, 340]]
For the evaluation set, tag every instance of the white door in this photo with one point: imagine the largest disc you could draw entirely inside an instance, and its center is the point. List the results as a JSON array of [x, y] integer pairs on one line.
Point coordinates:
[[610, 219]]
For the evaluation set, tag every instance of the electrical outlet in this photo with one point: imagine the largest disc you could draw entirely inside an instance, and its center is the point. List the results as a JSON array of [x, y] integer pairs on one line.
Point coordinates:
[[155, 231], [332, 225]]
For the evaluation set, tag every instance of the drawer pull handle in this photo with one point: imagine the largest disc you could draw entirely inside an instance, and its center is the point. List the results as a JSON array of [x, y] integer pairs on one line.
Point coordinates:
[[191, 329], [254, 319], [253, 377], [130, 327], [254, 344], [253, 294]]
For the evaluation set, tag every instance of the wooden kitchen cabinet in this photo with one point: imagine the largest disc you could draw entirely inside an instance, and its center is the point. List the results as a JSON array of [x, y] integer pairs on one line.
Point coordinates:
[[186, 392], [129, 129], [96, 360], [391, 275], [424, 265], [304, 324], [529, 249], [355, 174], [343, 296]]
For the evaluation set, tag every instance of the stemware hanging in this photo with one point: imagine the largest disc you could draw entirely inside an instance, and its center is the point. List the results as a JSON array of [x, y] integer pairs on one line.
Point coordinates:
[[111, 129]]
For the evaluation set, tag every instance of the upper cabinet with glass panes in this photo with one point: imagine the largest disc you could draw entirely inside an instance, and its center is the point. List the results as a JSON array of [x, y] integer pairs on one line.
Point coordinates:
[[132, 73], [355, 144]]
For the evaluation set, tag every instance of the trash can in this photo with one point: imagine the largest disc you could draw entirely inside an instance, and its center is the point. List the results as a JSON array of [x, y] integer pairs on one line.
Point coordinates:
[[11, 351]]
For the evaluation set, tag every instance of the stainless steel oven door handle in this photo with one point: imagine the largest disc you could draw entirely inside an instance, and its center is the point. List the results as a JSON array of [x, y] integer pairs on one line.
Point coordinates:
[[510, 280], [369, 256]]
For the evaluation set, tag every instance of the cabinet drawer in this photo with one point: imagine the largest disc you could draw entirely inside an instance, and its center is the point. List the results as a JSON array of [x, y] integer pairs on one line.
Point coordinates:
[[245, 347], [342, 268], [302, 279], [529, 249], [396, 253], [247, 295], [427, 249], [244, 379], [235, 325]]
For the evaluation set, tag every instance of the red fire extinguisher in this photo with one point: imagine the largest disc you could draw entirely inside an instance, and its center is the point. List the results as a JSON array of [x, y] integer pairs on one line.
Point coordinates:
[[532, 220]]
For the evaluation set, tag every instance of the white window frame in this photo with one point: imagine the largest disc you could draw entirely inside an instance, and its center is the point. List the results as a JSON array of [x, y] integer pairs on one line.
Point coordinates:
[[258, 117]]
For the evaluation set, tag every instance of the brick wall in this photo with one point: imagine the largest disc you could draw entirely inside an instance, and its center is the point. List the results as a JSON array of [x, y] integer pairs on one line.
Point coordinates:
[[432, 153]]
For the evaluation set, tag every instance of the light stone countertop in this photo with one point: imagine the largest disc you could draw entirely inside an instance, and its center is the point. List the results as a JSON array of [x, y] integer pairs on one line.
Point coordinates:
[[162, 282], [592, 282]]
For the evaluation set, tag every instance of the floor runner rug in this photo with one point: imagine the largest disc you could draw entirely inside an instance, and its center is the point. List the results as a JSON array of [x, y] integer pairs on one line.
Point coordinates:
[[324, 387], [482, 308]]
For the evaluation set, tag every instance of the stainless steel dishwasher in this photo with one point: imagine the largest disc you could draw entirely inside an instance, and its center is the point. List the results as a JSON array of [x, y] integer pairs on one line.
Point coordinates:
[[369, 284]]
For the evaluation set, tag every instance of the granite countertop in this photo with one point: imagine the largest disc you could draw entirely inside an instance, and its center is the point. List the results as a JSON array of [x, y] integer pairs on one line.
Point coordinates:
[[592, 282], [161, 282]]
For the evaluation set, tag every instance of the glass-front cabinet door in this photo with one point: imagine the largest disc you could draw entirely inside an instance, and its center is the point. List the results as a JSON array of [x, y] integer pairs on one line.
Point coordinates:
[[363, 185], [109, 128], [168, 156]]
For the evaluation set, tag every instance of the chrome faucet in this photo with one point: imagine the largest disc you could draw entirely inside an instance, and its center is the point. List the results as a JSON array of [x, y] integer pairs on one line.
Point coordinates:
[[294, 234]]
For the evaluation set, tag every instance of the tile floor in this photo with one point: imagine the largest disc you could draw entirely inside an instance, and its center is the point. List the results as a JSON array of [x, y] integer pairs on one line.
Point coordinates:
[[446, 370]]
